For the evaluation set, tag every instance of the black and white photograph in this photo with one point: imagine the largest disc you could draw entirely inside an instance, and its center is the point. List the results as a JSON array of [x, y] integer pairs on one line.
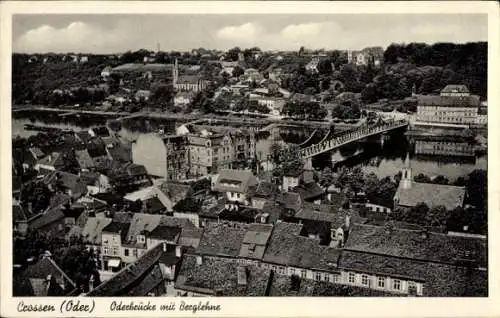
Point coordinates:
[[242, 155]]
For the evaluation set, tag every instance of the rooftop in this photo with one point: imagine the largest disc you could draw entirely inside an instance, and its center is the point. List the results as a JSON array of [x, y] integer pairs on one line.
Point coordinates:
[[432, 194], [411, 244], [235, 181], [220, 275], [222, 239]]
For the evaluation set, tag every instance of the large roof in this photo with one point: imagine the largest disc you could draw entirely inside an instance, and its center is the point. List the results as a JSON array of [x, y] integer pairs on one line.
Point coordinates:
[[221, 274], [44, 267], [431, 194], [92, 230], [449, 101], [455, 89], [412, 244], [235, 181], [222, 239]]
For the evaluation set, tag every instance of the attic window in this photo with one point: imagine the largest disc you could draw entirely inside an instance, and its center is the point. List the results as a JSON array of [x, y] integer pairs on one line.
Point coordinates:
[[251, 247]]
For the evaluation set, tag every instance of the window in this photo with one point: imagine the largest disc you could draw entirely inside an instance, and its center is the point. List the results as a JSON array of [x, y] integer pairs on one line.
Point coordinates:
[[105, 251], [126, 252], [336, 278], [238, 195], [381, 282], [352, 278], [412, 288], [364, 279], [303, 273], [317, 276], [396, 284]]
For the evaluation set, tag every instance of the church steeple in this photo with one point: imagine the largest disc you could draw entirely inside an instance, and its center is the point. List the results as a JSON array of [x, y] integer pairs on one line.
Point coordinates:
[[175, 73], [406, 179]]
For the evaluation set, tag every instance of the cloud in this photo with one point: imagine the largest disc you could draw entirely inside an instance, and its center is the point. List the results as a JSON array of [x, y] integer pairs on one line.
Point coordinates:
[[291, 36], [244, 33], [75, 37]]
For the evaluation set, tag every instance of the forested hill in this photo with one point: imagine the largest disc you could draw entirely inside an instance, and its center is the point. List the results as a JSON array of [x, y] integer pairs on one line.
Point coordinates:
[[452, 63]]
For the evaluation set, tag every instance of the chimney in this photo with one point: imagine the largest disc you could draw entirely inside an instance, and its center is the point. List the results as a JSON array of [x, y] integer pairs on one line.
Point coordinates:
[[199, 260], [348, 221], [178, 251], [164, 247]]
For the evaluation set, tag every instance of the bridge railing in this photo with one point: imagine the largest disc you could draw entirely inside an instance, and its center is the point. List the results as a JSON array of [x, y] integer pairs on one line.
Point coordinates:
[[348, 137]]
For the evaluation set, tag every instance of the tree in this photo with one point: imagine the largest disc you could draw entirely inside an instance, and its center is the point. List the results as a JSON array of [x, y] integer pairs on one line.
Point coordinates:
[[422, 178], [326, 178], [477, 189], [440, 179], [437, 217], [237, 71], [162, 94]]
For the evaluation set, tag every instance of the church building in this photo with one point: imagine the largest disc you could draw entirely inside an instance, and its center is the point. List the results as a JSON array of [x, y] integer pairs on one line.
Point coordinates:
[[411, 193], [192, 83]]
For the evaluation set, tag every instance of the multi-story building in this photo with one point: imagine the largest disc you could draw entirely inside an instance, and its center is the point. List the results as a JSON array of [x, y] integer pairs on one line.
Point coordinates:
[[209, 152], [177, 161], [373, 55], [454, 105]]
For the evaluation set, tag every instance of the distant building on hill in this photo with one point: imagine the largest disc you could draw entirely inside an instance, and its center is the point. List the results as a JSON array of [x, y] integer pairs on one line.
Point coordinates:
[[455, 105]]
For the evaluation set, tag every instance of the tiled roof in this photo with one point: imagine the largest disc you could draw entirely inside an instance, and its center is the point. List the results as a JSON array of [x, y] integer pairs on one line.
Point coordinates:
[[222, 239], [383, 265], [153, 205], [129, 277], [455, 89], [307, 253], [309, 191], [149, 283], [235, 181], [189, 79], [116, 227], [431, 194], [53, 214], [221, 274], [281, 242], [50, 159], [436, 247], [69, 181], [142, 222], [290, 200], [84, 160], [83, 135], [449, 101], [255, 241], [165, 232], [266, 190], [44, 267], [175, 191]]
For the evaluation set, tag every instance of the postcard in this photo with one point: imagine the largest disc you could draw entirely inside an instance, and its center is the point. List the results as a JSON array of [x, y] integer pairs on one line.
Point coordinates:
[[267, 159]]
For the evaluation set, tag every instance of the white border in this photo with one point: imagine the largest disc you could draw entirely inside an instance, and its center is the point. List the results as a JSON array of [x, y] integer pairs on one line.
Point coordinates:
[[262, 307]]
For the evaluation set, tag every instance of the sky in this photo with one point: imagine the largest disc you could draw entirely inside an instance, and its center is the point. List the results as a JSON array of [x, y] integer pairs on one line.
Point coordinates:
[[106, 33]]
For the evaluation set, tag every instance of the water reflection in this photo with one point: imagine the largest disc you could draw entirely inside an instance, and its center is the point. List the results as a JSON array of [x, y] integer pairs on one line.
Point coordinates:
[[384, 160]]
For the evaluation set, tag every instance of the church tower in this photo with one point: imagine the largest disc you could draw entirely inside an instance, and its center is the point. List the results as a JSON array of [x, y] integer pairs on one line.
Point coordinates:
[[406, 179], [175, 73]]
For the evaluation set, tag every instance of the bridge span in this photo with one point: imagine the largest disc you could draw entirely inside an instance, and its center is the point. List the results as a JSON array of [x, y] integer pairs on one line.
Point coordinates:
[[337, 141]]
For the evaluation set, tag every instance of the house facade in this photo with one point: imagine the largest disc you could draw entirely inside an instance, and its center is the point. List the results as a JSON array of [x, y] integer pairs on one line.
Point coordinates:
[[453, 106]]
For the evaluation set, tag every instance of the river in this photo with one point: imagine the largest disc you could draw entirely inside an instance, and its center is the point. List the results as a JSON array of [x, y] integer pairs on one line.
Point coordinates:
[[384, 160]]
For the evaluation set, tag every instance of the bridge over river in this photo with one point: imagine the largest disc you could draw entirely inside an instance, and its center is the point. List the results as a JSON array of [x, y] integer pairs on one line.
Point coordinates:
[[334, 141]]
